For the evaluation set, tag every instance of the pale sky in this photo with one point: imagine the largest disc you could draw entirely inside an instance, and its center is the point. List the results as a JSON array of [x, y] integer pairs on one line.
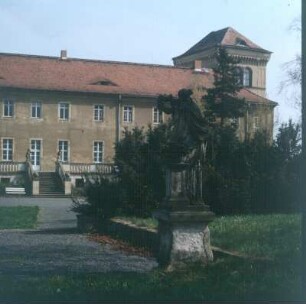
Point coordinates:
[[150, 31]]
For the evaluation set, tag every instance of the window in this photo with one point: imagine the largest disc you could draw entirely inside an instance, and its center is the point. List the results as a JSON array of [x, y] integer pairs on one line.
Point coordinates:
[[98, 150], [36, 109], [256, 123], [98, 112], [243, 76], [127, 113], [238, 73], [157, 116], [7, 149], [247, 73], [240, 42], [8, 108], [63, 149], [63, 111]]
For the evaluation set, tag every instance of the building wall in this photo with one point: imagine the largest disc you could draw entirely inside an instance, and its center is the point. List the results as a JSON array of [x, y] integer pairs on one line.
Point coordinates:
[[255, 60], [80, 130]]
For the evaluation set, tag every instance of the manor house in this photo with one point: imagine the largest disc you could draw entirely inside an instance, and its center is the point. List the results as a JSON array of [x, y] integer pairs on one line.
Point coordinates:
[[63, 115]]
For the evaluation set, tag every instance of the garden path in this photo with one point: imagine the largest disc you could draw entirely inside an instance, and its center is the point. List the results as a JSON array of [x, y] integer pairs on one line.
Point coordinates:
[[56, 247]]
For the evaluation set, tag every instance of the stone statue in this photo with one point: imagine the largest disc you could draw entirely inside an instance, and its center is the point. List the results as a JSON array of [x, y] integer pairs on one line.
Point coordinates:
[[183, 231], [28, 156], [186, 141], [187, 131]]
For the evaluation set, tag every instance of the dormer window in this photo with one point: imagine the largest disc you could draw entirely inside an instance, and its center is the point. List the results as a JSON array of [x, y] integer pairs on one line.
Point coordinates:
[[104, 82], [240, 42]]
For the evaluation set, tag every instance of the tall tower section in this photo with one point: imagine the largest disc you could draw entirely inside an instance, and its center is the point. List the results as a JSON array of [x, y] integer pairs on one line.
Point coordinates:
[[253, 59]]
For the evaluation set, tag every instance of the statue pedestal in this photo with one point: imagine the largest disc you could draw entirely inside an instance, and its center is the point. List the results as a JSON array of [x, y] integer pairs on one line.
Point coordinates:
[[183, 231], [183, 237]]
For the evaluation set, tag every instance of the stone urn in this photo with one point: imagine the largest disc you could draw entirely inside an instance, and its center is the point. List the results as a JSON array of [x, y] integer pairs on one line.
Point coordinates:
[[183, 231]]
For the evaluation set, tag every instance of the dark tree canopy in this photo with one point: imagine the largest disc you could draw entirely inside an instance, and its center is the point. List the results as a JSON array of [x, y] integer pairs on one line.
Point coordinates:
[[221, 101]]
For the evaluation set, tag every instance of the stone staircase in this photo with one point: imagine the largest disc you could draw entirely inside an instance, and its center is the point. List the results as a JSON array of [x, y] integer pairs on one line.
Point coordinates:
[[50, 185]]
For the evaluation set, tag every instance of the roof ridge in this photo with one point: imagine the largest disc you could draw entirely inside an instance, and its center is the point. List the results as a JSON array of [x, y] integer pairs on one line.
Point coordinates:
[[94, 60]]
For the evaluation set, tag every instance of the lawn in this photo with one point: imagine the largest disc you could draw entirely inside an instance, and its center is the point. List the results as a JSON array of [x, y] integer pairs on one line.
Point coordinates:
[[227, 278], [19, 217]]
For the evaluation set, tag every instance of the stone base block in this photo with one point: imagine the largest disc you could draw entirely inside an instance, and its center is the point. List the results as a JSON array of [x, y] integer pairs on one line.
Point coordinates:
[[184, 238]]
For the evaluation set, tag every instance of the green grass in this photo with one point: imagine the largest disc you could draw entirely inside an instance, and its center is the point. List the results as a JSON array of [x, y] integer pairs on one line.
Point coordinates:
[[253, 235], [140, 222], [227, 278], [272, 235], [19, 217]]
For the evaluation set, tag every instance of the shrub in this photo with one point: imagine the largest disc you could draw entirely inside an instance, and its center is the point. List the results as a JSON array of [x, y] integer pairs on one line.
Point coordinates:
[[103, 198]]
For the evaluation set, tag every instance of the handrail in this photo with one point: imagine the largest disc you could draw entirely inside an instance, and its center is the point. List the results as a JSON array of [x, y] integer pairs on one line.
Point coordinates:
[[63, 174], [12, 167], [80, 168]]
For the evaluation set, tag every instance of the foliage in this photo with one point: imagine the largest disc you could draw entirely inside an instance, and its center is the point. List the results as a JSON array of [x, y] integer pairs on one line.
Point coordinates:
[[2, 188], [239, 177], [103, 198], [20, 217], [141, 169], [255, 176], [221, 100]]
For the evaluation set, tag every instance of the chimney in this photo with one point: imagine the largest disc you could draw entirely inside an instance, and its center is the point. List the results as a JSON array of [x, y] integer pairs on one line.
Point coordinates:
[[63, 54], [197, 65]]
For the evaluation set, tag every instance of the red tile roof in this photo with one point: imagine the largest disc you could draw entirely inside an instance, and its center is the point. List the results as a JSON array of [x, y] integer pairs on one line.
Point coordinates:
[[109, 77], [225, 37], [79, 75]]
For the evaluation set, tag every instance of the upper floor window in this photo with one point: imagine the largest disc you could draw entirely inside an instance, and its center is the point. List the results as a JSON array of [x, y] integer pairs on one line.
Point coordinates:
[[247, 77], [63, 111], [63, 149], [8, 108], [256, 123], [98, 151], [157, 116], [7, 149], [127, 114], [243, 76], [98, 112], [36, 109]]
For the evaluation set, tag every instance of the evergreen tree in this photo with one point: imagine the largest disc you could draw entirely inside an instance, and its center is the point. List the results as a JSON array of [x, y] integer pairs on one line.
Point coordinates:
[[221, 101]]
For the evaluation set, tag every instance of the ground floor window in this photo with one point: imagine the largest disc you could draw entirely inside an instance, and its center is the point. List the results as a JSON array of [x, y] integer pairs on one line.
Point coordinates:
[[157, 116], [98, 151], [7, 149], [63, 149]]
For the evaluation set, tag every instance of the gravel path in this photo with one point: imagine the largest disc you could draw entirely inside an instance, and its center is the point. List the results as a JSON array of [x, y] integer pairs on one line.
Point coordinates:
[[55, 247]]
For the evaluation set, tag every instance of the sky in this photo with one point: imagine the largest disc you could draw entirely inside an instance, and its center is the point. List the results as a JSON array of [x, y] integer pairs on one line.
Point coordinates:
[[151, 31]]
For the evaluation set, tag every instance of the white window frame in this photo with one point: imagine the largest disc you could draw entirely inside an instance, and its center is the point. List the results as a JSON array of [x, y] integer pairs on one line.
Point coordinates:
[[64, 109], [40, 149], [158, 116], [98, 112], [9, 107], [61, 155], [128, 114], [35, 105], [97, 153], [6, 150]]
